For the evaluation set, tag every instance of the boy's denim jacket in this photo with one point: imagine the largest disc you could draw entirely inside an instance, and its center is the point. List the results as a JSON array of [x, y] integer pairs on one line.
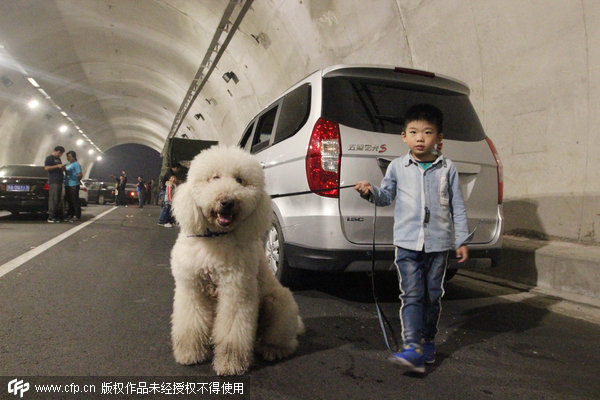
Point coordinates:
[[435, 189]]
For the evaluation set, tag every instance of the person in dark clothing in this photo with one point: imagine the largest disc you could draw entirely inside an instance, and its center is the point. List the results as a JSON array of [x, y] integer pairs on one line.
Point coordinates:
[[148, 193], [122, 189], [141, 191], [53, 164]]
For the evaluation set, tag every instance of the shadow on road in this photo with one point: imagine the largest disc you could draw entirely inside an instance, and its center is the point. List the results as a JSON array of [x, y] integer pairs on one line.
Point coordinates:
[[354, 286], [476, 327]]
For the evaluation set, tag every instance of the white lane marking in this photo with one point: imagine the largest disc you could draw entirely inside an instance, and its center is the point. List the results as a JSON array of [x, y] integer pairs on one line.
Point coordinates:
[[23, 258]]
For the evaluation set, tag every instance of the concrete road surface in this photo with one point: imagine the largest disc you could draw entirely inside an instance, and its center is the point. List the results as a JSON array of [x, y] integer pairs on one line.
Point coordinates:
[[94, 307]]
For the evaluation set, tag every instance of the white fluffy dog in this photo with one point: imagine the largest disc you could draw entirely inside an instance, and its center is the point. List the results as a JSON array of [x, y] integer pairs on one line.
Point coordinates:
[[225, 294]]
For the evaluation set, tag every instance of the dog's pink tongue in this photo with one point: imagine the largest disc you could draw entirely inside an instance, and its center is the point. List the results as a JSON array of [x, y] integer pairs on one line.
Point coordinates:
[[224, 219]]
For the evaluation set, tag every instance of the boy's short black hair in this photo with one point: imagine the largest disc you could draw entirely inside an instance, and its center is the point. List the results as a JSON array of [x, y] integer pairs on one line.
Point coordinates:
[[425, 112], [59, 148]]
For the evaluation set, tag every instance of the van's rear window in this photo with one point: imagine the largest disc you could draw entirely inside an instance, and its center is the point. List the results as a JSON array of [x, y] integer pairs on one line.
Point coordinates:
[[379, 106]]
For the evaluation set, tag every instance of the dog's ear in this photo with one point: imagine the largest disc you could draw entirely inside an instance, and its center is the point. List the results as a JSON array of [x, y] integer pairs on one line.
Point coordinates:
[[186, 211]]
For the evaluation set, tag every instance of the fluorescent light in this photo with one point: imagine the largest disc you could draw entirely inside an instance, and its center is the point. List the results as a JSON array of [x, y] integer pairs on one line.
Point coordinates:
[[33, 103], [79, 142], [33, 82], [46, 95], [99, 158], [64, 113], [91, 151], [63, 129]]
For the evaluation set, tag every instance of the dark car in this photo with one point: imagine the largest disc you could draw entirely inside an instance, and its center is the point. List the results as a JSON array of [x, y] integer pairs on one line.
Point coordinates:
[[101, 192], [23, 188]]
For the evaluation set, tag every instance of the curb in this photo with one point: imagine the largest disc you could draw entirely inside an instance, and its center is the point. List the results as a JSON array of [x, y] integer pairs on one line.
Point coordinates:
[[564, 270]]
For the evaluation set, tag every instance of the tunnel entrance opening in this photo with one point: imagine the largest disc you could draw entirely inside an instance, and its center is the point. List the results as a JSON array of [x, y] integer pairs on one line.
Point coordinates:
[[135, 159]]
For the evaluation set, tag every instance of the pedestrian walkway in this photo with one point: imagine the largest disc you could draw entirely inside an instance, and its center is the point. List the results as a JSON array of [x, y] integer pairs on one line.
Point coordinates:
[[569, 271]]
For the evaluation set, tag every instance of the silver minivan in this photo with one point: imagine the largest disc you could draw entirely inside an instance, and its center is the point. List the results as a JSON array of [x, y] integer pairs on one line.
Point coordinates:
[[341, 125]]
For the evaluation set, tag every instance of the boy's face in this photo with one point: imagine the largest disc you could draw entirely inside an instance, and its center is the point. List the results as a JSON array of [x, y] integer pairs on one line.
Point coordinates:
[[421, 138]]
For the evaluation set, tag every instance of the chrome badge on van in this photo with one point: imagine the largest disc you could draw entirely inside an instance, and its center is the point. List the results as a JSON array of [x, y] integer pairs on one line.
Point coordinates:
[[368, 148]]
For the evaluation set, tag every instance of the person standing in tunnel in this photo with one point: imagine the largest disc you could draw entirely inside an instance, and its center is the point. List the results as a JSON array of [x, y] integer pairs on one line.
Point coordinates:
[[122, 189], [141, 191], [175, 169], [53, 164], [73, 175], [118, 191]]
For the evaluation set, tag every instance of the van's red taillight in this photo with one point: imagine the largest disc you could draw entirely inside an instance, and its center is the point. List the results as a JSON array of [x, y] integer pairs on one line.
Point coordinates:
[[46, 186], [323, 158], [499, 169]]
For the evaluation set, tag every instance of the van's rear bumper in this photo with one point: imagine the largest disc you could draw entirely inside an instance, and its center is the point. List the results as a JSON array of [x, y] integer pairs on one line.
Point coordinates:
[[301, 257]]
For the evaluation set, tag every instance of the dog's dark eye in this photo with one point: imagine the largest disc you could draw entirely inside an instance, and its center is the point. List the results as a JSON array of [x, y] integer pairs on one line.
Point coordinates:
[[216, 177], [239, 180]]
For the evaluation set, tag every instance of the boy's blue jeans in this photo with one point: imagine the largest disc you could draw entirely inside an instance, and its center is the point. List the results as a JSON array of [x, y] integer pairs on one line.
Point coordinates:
[[165, 214], [421, 277]]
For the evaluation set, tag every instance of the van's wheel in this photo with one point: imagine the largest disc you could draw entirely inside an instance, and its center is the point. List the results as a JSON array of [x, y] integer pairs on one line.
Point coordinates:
[[276, 260], [101, 199]]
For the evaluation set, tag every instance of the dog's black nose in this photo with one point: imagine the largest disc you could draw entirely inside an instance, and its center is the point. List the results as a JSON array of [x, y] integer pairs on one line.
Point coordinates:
[[227, 204]]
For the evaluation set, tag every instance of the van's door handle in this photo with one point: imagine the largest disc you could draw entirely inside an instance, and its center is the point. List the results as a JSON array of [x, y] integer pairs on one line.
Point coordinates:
[[263, 165]]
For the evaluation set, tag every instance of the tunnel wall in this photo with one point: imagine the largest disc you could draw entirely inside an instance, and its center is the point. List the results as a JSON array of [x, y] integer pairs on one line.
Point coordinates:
[[532, 68]]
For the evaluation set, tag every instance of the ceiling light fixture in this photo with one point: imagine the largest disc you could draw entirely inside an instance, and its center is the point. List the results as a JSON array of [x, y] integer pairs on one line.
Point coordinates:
[[99, 158], [33, 82], [79, 142], [63, 129], [33, 103]]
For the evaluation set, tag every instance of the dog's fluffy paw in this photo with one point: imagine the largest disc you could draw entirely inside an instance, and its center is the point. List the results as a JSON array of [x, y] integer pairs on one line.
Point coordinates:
[[272, 353], [230, 365], [189, 357]]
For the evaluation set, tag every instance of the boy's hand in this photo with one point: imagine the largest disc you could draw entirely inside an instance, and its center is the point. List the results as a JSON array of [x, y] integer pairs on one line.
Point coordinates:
[[363, 187], [462, 253]]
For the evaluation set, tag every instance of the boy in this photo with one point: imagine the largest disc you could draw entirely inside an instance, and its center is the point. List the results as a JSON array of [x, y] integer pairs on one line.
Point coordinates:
[[166, 218], [428, 204]]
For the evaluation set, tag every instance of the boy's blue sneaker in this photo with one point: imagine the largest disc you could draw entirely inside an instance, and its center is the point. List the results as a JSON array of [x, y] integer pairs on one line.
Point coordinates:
[[410, 358], [429, 352]]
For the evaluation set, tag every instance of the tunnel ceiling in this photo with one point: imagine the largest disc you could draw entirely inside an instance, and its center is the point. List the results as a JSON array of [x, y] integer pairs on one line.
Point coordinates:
[[118, 69]]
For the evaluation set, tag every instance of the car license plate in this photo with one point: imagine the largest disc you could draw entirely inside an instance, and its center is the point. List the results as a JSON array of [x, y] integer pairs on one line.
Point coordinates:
[[17, 188]]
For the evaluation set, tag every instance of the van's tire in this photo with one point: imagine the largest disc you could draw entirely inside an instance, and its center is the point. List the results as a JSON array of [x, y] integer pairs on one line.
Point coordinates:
[[101, 199], [274, 250]]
